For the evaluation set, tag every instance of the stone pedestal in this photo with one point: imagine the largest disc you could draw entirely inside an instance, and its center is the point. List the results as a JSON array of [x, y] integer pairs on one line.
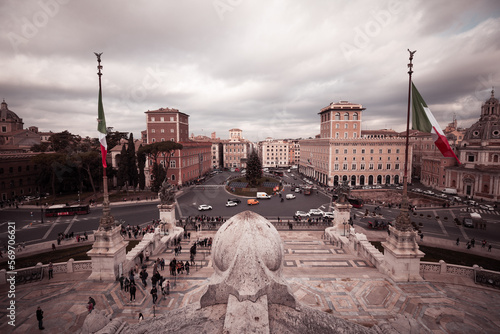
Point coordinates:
[[167, 216], [107, 254], [402, 256], [341, 215]]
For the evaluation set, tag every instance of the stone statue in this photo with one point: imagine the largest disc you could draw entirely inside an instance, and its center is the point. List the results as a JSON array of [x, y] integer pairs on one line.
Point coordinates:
[[167, 193], [343, 191]]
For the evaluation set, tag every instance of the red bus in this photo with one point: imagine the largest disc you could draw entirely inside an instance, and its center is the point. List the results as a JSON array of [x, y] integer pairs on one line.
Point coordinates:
[[356, 203], [66, 210]]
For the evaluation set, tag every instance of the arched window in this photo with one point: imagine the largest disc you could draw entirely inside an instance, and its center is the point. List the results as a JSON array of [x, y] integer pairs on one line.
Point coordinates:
[[337, 116], [173, 177], [355, 116], [362, 180], [346, 116]]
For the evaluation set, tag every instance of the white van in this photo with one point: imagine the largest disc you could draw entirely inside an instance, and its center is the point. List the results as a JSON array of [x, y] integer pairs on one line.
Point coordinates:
[[450, 191], [263, 195]]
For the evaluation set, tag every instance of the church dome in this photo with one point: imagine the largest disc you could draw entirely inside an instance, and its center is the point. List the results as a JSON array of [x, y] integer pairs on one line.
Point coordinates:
[[8, 115], [488, 126]]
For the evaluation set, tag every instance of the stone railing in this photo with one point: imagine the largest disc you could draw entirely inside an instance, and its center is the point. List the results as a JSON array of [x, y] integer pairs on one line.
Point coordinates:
[[450, 269], [40, 271], [358, 244]]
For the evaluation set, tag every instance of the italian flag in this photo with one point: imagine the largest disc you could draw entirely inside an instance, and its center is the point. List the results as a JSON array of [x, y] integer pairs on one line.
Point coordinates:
[[423, 120], [101, 127]]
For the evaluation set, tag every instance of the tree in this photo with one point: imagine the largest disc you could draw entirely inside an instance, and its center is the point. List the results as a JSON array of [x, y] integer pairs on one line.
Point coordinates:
[[122, 167], [165, 150], [132, 163], [64, 142], [52, 168], [254, 169], [141, 163], [113, 138]]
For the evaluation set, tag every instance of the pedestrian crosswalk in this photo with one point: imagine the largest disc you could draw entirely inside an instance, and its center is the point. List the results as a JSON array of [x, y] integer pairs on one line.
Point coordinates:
[[480, 211]]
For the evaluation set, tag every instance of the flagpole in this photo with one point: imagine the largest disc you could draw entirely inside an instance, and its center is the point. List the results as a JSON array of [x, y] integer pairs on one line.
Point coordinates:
[[403, 220], [107, 221]]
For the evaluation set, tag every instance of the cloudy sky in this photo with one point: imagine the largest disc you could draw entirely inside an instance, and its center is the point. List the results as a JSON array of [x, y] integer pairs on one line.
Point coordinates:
[[266, 67]]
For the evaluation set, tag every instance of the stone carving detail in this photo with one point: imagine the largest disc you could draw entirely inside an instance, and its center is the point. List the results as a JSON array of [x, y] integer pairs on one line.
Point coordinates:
[[431, 268], [343, 191], [247, 246], [461, 271], [82, 266], [167, 193]]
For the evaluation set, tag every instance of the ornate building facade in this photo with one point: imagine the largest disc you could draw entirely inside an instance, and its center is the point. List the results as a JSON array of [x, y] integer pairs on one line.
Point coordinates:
[[479, 152], [342, 152]]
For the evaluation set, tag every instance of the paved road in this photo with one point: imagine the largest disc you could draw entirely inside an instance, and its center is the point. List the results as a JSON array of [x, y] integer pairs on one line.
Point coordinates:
[[30, 229]]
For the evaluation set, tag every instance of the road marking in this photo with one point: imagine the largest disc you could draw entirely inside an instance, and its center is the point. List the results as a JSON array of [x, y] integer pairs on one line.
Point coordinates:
[[440, 223], [51, 228], [70, 225]]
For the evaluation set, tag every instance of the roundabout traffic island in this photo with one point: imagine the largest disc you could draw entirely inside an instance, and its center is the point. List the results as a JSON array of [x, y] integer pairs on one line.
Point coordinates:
[[241, 187]]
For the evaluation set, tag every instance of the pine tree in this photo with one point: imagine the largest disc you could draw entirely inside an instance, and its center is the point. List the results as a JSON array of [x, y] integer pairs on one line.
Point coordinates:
[[121, 176], [141, 164], [254, 169], [132, 163]]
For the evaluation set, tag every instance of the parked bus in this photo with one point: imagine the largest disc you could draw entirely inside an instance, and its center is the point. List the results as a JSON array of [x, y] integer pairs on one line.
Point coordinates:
[[66, 210]]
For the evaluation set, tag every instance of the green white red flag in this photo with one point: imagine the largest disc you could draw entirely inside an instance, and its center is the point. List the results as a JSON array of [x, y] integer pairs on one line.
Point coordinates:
[[101, 127], [423, 120]]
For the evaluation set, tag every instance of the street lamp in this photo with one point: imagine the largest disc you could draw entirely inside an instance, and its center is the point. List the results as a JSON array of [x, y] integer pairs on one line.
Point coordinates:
[[345, 223]]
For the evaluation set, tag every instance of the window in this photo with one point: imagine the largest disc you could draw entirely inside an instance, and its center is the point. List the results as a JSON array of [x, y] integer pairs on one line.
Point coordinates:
[[346, 116], [336, 135], [355, 126], [470, 158], [362, 167], [162, 119], [337, 126], [355, 116], [163, 139], [379, 166], [371, 151], [172, 118], [380, 151], [153, 131], [152, 119], [353, 166], [336, 151], [344, 166], [353, 151], [337, 116], [389, 151], [345, 150], [19, 169], [362, 151], [336, 167], [171, 130], [345, 135], [388, 167], [162, 131], [154, 140], [370, 166], [346, 126]]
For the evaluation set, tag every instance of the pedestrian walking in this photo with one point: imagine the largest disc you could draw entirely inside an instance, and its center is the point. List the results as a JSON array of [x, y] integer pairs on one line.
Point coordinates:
[[489, 248], [154, 293], [39, 317], [132, 291], [51, 270], [92, 301], [458, 240]]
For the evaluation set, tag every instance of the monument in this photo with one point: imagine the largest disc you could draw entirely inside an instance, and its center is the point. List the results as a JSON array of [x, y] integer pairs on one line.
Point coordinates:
[[167, 206], [109, 248], [342, 211], [247, 292], [401, 253]]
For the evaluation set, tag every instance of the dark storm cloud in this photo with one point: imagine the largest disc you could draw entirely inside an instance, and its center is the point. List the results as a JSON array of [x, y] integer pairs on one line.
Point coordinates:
[[266, 67]]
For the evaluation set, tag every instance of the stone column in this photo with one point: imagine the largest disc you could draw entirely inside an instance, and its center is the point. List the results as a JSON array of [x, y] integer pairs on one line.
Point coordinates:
[[167, 216], [342, 214], [107, 253]]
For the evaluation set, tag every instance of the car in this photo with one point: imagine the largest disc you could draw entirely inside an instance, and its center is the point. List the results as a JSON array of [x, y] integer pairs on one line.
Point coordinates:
[[297, 190], [301, 214], [377, 187], [442, 196], [330, 215], [456, 199], [468, 222], [316, 212], [471, 202], [235, 200], [252, 201], [487, 207], [417, 190], [204, 207], [290, 196], [399, 187], [229, 203], [428, 192]]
